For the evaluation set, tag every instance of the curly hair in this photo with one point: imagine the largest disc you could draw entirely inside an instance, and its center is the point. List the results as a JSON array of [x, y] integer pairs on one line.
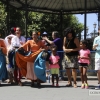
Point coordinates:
[[85, 43], [69, 30]]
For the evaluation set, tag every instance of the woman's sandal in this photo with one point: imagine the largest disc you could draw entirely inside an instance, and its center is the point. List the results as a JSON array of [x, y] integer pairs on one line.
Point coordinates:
[[69, 85], [75, 85]]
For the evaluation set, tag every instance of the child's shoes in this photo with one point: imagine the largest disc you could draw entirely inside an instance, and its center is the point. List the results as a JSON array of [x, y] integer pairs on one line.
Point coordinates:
[[86, 86], [82, 86], [57, 85]]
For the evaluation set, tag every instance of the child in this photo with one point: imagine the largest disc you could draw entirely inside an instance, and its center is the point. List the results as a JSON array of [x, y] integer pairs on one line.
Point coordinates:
[[54, 64], [84, 57]]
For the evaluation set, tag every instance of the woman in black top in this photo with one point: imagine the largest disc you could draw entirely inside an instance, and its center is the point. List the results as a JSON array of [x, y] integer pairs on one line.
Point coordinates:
[[71, 48]]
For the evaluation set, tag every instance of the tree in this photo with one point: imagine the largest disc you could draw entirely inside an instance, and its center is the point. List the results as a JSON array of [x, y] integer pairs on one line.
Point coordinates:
[[39, 21], [2, 20]]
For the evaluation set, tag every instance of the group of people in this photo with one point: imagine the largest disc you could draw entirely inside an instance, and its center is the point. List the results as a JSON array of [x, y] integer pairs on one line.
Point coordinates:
[[44, 54]]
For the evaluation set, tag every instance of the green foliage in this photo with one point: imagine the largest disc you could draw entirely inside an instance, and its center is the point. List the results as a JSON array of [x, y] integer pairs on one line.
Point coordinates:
[[39, 21], [2, 20]]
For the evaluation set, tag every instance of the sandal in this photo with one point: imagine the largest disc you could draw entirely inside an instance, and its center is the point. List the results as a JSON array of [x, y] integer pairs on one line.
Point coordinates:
[[75, 85], [69, 85]]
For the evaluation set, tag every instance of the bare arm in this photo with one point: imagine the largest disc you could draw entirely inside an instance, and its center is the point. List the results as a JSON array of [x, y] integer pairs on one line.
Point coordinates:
[[64, 43], [85, 57], [76, 41], [50, 42], [94, 46]]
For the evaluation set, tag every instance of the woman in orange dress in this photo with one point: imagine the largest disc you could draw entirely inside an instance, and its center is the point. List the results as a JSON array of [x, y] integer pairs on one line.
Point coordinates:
[[35, 46], [3, 52]]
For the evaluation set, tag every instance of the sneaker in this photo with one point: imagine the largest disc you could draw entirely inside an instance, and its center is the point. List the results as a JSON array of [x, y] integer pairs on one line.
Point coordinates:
[[97, 88], [82, 86], [86, 86]]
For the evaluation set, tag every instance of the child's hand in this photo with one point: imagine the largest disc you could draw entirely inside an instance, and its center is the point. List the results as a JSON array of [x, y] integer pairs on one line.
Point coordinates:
[[55, 63]]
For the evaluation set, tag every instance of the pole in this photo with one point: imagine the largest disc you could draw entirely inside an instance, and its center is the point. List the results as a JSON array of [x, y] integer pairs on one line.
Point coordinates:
[[85, 17], [26, 16], [7, 9], [94, 32]]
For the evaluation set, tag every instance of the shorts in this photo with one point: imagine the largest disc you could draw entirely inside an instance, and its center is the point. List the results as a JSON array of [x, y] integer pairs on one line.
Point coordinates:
[[83, 65], [97, 64], [54, 70]]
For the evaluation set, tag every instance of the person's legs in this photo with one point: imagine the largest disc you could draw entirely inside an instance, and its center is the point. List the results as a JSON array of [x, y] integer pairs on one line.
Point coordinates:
[[98, 87], [85, 76], [15, 76], [10, 77], [98, 76], [74, 74], [68, 72], [81, 74], [56, 75], [53, 79], [57, 79], [97, 68], [19, 77]]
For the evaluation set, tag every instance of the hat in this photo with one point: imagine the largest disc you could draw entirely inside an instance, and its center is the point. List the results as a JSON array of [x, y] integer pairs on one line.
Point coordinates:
[[44, 33]]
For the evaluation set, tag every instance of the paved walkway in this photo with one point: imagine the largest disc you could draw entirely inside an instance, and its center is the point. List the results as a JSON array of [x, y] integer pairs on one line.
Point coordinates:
[[47, 92]]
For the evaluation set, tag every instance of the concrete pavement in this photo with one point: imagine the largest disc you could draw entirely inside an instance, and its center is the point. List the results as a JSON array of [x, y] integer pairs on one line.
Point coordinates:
[[47, 92]]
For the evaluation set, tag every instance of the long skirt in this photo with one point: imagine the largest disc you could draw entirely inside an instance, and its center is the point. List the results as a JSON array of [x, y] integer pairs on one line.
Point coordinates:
[[30, 71], [3, 69]]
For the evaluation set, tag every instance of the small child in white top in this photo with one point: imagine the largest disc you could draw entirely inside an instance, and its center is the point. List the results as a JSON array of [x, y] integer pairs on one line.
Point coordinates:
[[54, 64], [84, 60]]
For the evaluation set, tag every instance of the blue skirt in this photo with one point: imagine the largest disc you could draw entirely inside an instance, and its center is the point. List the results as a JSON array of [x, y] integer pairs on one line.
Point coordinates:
[[3, 69]]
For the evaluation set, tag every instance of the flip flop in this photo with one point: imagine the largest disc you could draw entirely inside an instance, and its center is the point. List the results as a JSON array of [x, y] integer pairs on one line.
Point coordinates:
[[69, 85]]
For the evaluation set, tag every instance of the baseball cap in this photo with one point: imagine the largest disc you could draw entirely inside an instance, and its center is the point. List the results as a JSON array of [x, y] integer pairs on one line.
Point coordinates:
[[44, 33]]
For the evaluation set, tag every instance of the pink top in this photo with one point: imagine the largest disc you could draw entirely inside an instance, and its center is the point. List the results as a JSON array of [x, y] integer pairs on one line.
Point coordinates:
[[84, 53], [54, 59]]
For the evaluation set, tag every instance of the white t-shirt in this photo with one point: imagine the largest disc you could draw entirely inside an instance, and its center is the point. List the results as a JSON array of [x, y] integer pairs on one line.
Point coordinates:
[[97, 41], [15, 42], [6, 39]]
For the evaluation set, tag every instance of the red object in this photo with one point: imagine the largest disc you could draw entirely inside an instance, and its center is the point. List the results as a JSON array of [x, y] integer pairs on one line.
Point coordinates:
[[14, 28], [17, 75]]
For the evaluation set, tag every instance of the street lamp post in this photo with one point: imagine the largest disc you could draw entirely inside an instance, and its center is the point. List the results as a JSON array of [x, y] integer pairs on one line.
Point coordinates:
[[94, 25], [87, 30]]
